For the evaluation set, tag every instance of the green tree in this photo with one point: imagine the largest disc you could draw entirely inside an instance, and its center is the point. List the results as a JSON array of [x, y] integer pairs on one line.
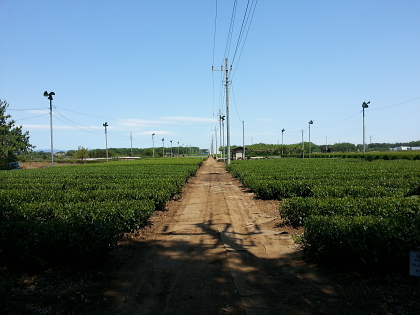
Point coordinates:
[[344, 147], [13, 142], [81, 154]]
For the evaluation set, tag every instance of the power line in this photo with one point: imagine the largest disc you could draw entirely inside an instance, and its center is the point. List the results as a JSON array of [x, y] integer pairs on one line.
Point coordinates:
[[246, 36], [415, 99], [240, 33], [232, 23], [234, 101], [30, 117]]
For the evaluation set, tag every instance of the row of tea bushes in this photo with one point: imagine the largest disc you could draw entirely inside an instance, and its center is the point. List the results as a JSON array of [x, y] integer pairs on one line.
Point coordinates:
[[77, 213], [343, 204], [297, 210], [366, 239]]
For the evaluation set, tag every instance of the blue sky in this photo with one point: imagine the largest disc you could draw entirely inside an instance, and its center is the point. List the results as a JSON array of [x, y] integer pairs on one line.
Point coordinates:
[[145, 67]]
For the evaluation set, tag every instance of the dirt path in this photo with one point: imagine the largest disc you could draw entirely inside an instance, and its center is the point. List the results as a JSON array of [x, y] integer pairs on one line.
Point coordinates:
[[216, 250], [211, 256]]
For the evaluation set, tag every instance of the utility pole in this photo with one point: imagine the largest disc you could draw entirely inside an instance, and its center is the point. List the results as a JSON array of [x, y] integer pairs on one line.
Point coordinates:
[[178, 148], [106, 140], [131, 138], [364, 105], [215, 136], [163, 147], [326, 144], [220, 131], [303, 147], [171, 147], [243, 139], [222, 119], [227, 108], [50, 97]]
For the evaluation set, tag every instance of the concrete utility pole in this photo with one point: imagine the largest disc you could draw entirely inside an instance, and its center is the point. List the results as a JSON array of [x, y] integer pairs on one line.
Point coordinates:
[[50, 97], [171, 147], [364, 105], [178, 148], [220, 132], [326, 144], [215, 136], [227, 108], [222, 119], [163, 147], [243, 139]]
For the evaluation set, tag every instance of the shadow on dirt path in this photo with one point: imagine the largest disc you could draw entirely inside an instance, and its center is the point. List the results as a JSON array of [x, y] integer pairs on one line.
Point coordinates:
[[212, 257], [216, 250]]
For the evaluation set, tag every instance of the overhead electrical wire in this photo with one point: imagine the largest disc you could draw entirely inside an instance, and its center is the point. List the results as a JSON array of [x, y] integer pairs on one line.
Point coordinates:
[[240, 33], [230, 32], [234, 101], [246, 36], [30, 117]]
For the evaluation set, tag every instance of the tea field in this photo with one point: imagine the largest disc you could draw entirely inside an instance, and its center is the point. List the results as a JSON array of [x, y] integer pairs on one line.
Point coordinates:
[[351, 209], [77, 213]]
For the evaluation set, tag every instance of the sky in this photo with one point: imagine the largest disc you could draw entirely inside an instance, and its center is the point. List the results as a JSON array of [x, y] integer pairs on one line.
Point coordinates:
[[145, 67]]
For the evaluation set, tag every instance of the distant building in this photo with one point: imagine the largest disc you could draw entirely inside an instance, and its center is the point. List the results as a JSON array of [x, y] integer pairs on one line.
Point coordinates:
[[238, 153], [406, 149]]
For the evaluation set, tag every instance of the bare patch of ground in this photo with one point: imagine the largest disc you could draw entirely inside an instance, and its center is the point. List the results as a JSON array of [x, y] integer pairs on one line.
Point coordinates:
[[34, 165], [216, 250]]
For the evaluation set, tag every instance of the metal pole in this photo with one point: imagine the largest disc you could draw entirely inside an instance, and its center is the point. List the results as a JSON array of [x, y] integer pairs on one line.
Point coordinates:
[[303, 147], [51, 127], [106, 140], [131, 138], [153, 142], [363, 130], [310, 123], [283, 130], [364, 105], [309, 140]]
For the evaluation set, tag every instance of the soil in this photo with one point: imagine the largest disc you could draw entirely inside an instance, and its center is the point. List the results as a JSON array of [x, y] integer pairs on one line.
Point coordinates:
[[34, 165], [215, 250]]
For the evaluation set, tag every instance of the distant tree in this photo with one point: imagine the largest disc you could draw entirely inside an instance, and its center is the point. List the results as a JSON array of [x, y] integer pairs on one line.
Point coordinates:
[[344, 147], [13, 142], [81, 154]]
